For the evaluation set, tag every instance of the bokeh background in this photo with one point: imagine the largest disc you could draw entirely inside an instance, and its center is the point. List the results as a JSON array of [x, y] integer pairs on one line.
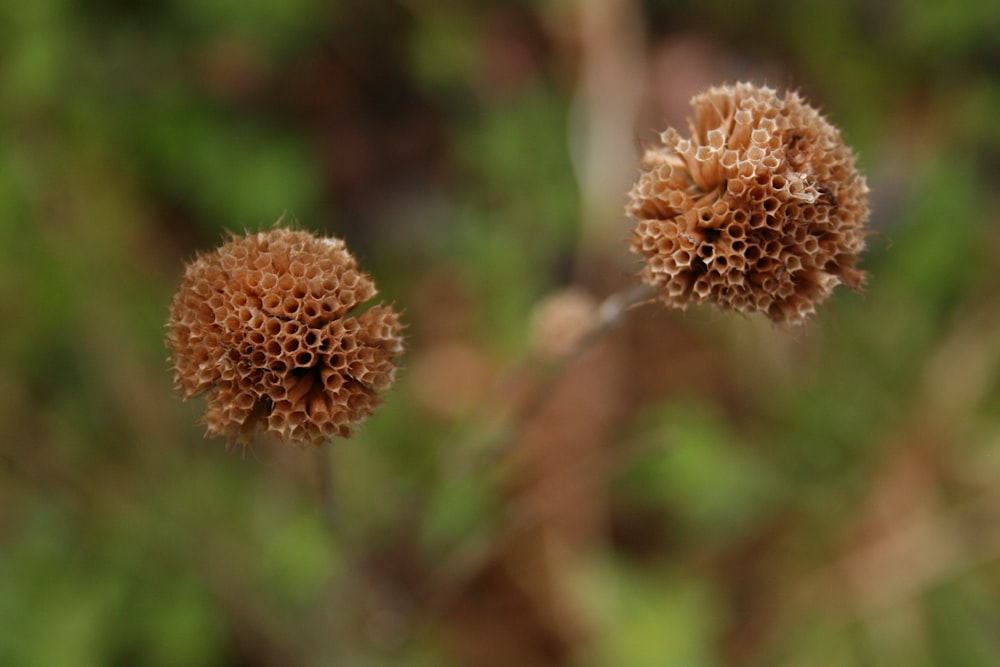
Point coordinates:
[[697, 489]]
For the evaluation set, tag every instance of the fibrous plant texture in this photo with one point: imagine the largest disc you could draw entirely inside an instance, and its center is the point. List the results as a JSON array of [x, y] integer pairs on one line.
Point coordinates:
[[761, 210], [262, 327]]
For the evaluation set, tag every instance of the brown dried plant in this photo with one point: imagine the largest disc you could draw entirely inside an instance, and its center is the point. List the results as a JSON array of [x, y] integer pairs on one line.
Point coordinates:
[[761, 210], [262, 327]]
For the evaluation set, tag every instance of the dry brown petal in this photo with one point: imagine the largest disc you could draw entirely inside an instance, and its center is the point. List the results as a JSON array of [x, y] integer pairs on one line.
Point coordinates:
[[761, 209], [262, 327]]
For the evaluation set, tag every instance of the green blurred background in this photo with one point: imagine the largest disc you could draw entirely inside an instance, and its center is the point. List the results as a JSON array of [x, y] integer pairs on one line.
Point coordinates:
[[697, 489]]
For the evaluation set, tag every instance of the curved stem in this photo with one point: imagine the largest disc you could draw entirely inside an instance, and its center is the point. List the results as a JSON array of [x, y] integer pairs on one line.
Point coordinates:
[[609, 314], [458, 557]]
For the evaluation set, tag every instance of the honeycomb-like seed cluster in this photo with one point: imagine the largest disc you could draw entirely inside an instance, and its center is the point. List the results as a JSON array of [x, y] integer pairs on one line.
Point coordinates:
[[262, 327], [760, 210]]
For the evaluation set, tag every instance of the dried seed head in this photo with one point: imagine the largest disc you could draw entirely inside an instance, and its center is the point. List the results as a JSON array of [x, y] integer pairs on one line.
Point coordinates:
[[761, 209], [262, 327], [560, 321]]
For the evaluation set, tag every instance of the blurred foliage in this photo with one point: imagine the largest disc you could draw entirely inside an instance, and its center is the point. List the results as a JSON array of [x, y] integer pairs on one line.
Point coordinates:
[[822, 497]]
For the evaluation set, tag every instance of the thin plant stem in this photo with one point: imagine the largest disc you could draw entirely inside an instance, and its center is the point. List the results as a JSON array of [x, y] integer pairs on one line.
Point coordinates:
[[610, 314], [326, 490], [487, 462]]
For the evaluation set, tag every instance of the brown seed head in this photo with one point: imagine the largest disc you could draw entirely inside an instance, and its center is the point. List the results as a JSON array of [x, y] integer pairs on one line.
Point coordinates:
[[262, 327], [761, 209], [561, 320]]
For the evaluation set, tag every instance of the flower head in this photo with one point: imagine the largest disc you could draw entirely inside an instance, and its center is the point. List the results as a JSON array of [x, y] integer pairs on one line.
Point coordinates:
[[560, 322], [761, 209], [262, 326]]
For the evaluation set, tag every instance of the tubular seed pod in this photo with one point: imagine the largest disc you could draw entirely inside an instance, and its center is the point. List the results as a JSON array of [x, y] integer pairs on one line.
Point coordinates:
[[249, 330], [764, 183]]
